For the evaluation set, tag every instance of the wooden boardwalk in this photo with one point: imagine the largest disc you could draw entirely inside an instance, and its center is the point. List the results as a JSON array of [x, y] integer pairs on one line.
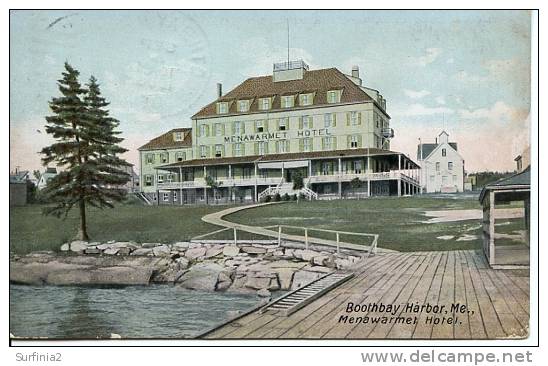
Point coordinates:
[[493, 304]]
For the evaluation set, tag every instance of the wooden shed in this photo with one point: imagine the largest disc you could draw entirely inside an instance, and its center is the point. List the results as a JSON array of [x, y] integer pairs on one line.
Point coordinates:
[[506, 221]]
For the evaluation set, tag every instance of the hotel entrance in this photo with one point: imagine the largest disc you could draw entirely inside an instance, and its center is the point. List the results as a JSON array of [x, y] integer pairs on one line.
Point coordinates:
[[291, 173]]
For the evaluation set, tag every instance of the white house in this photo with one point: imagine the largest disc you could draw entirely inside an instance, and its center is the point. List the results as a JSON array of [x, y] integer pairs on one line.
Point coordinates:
[[45, 177], [442, 167]]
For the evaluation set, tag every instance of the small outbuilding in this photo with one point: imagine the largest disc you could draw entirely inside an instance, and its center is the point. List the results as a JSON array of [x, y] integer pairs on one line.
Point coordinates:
[[506, 221]]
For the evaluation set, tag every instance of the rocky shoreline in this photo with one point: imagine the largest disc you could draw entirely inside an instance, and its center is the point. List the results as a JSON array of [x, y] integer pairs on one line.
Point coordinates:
[[246, 267]]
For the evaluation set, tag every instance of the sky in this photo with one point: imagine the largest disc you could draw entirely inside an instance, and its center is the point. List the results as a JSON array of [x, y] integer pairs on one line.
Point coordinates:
[[466, 72]]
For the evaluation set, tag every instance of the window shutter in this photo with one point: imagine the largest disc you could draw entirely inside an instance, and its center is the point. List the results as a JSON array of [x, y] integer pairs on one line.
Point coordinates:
[[359, 140], [277, 126], [256, 148], [359, 118], [207, 131], [265, 125], [348, 141], [243, 149], [301, 145], [234, 128], [301, 123], [242, 129], [223, 150], [323, 143], [334, 119], [233, 150], [198, 131], [310, 122], [334, 139], [348, 118]]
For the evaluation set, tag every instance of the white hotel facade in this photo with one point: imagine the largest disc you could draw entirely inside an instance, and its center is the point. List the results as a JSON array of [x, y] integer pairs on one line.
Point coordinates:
[[250, 142]]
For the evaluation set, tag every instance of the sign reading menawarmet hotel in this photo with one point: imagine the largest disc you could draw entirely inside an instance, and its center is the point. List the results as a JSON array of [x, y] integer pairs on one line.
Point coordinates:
[[277, 135]]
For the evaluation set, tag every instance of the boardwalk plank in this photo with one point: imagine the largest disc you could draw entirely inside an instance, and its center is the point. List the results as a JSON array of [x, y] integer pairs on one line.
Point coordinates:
[[477, 328]]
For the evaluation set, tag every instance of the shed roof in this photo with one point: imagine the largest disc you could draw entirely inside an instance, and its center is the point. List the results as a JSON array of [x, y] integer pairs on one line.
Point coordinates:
[[519, 180]]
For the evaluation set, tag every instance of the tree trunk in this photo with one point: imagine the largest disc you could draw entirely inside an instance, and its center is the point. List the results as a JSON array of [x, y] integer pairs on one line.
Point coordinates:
[[83, 232]]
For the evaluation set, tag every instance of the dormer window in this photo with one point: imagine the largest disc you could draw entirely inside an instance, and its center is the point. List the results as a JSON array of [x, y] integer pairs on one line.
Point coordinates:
[[243, 105], [287, 101], [333, 96], [222, 107], [178, 136], [305, 99], [264, 104]]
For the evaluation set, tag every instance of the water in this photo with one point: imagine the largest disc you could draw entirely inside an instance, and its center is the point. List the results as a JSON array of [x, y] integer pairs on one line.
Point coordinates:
[[157, 311]]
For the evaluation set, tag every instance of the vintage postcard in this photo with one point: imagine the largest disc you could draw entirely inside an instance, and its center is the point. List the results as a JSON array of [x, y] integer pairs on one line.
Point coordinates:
[[213, 175]]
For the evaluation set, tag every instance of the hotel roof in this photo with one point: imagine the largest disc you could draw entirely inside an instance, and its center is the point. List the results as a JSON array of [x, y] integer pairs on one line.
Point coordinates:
[[318, 82], [283, 157], [167, 141]]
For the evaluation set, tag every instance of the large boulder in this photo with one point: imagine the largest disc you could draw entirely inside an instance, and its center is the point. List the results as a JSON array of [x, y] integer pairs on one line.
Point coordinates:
[[78, 246], [213, 251], [141, 251], [161, 251], [285, 277], [181, 246], [301, 278], [194, 253], [150, 245], [202, 276], [253, 250], [231, 250]]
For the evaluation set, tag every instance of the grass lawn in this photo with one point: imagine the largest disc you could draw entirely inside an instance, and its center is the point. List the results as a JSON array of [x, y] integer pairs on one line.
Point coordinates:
[[396, 220], [31, 231]]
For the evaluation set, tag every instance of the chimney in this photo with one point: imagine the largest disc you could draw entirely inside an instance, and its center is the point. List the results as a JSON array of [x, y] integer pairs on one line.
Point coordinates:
[[219, 90], [355, 72]]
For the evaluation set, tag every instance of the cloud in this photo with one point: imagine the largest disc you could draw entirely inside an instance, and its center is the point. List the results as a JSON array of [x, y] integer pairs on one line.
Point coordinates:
[[465, 77], [440, 100], [417, 109], [416, 94], [431, 55], [450, 60]]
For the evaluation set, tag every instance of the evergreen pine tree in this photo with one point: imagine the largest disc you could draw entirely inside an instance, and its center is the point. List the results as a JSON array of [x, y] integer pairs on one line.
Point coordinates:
[[85, 150]]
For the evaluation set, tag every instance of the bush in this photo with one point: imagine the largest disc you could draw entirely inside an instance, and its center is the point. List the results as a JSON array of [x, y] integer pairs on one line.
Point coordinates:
[[286, 197], [294, 197], [277, 197], [302, 196], [268, 198]]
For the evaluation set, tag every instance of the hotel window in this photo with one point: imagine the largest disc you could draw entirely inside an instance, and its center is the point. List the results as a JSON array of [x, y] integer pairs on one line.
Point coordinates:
[[170, 177], [164, 157], [265, 104], [238, 128], [178, 136], [262, 147], [247, 172], [287, 101], [332, 96], [329, 143], [444, 180], [222, 107], [305, 99], [203, 131], [149, 158], [219, 151], [432, 177], [148, 180], [454, 179], [354, 118], [357, 166], [307, 144], [327, 168], [174, 196], [450, 165], [438, 166], [307, 122], [354, 141], [443, 152], [282, 146], [329, 120], [243, 106], [160, 178], [283, 124], [165, 196], [180, 156], [219, 129], [260, 126], [238, 149], [203, 151]]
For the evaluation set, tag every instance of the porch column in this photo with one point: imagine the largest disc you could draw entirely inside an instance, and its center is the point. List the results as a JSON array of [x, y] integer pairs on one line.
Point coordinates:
[[369, 171], [256, 197], [491, 228], [399, 175], [340, 183], [230, 171], [181, 185], [309, 169], [283, 176]]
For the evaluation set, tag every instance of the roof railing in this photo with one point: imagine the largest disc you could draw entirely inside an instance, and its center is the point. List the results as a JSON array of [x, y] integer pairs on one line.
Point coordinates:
[[290, 65]]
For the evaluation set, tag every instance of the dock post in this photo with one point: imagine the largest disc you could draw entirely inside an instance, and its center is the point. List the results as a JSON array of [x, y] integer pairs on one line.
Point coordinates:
[[337, 243], [306, 238], [235, 238], [279, 235]]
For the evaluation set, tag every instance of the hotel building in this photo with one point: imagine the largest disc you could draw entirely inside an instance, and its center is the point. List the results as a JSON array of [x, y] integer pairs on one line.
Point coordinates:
[[323, 125]]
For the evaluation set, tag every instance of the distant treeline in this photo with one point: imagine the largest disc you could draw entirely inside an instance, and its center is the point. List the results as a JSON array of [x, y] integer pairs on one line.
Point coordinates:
[[484, 178]]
